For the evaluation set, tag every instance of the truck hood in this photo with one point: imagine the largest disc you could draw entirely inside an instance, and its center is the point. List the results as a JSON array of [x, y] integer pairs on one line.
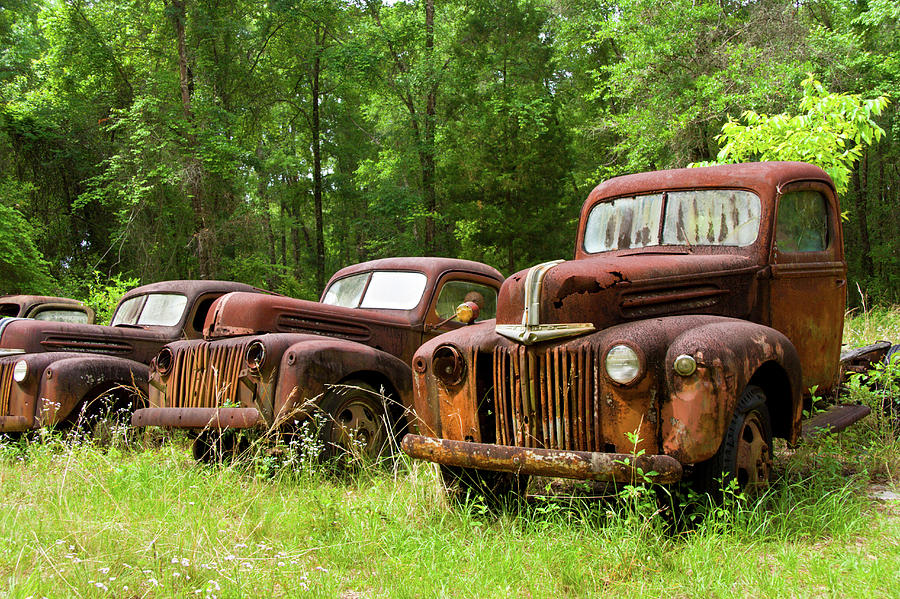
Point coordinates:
[[251, 313], [610, 289], [36, 336]]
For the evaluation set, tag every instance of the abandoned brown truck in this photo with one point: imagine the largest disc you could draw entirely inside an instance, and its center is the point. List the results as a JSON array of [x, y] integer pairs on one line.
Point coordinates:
[[44, 307], [270, 363], [51, 373], [700, 308]]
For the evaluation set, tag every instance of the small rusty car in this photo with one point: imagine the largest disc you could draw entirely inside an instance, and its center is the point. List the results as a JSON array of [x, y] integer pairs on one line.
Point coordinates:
[[44, 307], [700, 308], [271, 363], [55, 373]]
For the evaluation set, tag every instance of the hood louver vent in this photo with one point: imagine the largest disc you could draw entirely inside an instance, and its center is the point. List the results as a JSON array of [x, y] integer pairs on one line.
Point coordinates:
[[100, 346], [670, 301], [288, 323]]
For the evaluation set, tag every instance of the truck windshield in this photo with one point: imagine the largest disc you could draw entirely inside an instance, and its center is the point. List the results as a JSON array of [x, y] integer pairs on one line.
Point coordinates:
[[388, 290], [154, 309], [62, 315], [723, 217]]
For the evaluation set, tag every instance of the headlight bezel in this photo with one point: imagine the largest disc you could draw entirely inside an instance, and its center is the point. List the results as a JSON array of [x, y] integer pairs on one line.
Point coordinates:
[[164, 361], [255, 355], [448, 365], [614, 357]]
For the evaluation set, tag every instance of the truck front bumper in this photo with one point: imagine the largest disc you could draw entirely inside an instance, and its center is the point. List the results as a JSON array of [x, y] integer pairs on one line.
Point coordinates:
[[199, 418], [14, 424], [584, 465]]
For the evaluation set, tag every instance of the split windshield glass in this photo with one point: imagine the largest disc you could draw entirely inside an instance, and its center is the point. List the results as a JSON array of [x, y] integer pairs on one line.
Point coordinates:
[[387, 290], [712, 217], [154, 309]]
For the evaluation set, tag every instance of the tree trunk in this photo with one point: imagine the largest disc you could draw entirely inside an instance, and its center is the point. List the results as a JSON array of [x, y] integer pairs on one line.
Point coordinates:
[[427, 153], [317, 165], [193, 167], [862, 211]]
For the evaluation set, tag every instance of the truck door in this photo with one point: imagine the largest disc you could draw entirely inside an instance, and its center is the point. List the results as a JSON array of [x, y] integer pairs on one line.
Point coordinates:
[[809, 280]]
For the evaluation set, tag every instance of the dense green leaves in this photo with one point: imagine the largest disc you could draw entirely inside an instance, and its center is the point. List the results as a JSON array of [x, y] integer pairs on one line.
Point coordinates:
[[276, 141], [831, 131]]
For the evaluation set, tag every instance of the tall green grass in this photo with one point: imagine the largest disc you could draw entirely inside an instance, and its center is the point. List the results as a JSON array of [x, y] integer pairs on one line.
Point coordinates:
[[78, 520]]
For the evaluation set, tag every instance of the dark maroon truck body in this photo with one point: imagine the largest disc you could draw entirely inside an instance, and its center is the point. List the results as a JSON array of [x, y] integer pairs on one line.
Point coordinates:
[[45, 307], [64, 365], [268, 361], [693, 294]]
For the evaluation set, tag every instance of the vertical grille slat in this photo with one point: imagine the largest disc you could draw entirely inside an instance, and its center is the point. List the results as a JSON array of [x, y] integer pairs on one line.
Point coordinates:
[[546, 419], [6, 381], [499, 400], [548, 398], [204, 375]]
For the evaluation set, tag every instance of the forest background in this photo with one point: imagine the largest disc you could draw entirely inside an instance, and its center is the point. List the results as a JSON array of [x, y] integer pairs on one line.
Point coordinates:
[[275, 142]]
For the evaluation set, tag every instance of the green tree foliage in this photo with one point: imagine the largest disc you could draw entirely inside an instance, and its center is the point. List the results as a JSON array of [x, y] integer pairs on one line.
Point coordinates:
[[22, 268], [275, 141], [831, 131]]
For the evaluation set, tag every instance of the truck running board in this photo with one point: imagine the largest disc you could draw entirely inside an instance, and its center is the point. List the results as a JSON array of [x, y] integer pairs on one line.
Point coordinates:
[[835, 419]]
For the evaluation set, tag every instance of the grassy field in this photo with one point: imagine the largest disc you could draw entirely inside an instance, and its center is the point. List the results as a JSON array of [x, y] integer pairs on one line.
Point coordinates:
[[77, 520]]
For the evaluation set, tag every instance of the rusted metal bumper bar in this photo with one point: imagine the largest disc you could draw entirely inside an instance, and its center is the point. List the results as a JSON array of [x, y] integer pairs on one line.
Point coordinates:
[[585, 465], [834, 420], [202, 418], [13, 424]]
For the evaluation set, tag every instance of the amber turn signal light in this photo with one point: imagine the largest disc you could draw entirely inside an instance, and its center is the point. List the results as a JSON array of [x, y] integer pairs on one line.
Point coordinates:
[[467, 312]]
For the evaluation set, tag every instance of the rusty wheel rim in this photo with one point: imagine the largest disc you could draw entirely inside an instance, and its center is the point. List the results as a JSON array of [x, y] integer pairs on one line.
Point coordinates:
[[754, 456], [358, 428]]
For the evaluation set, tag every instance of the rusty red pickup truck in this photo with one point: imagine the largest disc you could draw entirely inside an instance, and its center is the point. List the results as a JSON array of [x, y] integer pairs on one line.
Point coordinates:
[[270, 363], [700, 308], [55, 373]]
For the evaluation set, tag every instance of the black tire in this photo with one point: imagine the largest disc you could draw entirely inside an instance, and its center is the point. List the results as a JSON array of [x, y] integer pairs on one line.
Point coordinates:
[[215, 447], [356, 423], [105, 418], [745, 455], [495, 489]]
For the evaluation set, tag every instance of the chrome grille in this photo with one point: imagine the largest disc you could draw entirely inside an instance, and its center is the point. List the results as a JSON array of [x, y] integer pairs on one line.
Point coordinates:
[[6, 383], [547, 399], [204, 375]]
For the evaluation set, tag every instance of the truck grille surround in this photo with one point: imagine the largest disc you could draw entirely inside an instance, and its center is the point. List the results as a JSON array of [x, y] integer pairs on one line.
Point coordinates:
[[548, 398], [205, 375], [6, 383]]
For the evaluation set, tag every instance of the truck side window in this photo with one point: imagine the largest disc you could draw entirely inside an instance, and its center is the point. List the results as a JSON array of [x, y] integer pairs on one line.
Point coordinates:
[[203, 307], [453, 293], [802, 222]]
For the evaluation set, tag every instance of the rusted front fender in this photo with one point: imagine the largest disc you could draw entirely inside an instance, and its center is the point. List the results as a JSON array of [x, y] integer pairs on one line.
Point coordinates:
[[582, 465], [66, 383], [309, 368], [730, 355], [199, 418]]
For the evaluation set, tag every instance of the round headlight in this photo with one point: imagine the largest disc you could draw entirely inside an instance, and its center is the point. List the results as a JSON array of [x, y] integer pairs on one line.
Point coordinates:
[[622, 364], [685, 365], [20, 371], [449, 366], [164, 360], [255, 355]]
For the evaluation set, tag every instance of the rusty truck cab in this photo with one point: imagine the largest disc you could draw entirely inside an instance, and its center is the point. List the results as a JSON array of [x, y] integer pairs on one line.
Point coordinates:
[[43, 307], [49, 371], [269, 362], [701, 304]]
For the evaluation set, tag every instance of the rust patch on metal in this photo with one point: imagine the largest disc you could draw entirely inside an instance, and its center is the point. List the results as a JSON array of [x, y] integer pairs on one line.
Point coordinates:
[[612, 467]]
